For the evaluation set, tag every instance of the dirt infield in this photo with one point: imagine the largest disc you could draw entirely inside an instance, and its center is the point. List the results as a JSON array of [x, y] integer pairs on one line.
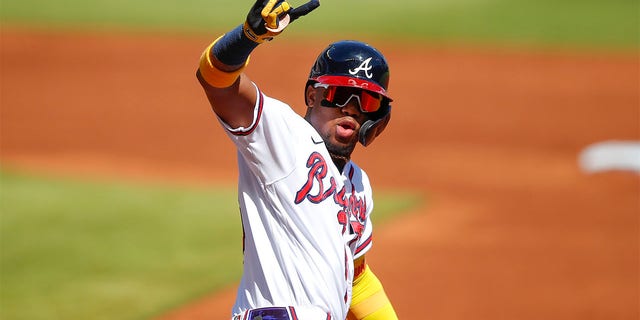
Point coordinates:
[[511, 228]]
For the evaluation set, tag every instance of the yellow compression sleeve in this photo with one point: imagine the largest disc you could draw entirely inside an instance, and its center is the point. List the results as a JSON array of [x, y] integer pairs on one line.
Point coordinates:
[[214, 76], [369, 301]]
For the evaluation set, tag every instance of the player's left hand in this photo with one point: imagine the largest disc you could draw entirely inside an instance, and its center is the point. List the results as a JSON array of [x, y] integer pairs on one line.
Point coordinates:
[[268, 18]]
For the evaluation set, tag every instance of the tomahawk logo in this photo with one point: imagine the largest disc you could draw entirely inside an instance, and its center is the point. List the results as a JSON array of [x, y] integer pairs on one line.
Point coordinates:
[[364, 66]]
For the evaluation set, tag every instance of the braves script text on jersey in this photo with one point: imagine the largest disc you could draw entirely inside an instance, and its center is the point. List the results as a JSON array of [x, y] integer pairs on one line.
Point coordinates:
[[304, 221]]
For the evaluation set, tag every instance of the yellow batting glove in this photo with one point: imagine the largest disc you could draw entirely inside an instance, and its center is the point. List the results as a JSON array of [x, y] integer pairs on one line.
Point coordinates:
[[272, 15], [268, 18]]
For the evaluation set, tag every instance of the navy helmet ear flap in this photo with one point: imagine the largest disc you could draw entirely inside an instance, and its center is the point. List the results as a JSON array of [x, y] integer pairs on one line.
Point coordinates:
[[372, 128], [306, 86]]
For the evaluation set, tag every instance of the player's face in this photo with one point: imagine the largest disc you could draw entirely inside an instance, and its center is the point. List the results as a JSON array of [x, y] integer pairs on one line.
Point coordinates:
[[338, 126]]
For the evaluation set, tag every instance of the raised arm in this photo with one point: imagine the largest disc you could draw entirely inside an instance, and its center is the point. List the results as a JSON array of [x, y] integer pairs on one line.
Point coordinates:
[[230, 92]]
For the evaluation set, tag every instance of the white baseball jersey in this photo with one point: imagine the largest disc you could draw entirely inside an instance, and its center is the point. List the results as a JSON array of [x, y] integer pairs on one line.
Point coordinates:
[[304, 221]]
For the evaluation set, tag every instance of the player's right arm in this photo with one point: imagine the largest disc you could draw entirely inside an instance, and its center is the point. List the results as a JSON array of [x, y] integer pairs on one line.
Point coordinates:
[[233, 102], [230, 92]]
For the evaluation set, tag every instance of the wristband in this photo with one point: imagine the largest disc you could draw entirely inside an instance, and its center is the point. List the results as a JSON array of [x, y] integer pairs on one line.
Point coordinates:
[[234, 48], [214, 76]]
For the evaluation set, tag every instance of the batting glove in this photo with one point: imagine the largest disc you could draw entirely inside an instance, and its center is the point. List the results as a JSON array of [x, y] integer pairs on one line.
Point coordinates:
[[268, 18]]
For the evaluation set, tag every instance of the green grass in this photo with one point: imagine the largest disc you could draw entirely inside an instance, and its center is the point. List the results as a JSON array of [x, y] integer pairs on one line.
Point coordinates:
[[85, 250], [74, 249], [612, 23], [81, 250]]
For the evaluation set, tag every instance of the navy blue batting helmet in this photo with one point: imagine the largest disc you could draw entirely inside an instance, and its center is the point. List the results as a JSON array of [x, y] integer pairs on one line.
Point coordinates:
[[351, 63], [356, 64]]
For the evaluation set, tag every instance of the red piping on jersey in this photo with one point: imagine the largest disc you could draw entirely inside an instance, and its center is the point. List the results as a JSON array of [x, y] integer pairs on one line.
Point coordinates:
[[346, 265], [255, 124], [364, 245], [293, 313]]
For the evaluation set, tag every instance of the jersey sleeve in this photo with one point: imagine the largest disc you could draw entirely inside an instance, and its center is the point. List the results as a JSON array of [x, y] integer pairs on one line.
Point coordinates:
[[266, 145]]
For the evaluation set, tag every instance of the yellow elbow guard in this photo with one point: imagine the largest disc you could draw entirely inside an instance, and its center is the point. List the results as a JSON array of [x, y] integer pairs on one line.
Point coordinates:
[[214, 76], [369, 301]]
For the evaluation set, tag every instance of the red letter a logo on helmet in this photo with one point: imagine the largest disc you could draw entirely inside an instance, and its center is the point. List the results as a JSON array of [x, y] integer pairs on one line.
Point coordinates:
[[363, 66]]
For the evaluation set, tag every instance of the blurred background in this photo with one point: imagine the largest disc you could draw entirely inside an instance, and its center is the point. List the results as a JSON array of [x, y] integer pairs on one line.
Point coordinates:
[[118, 191]]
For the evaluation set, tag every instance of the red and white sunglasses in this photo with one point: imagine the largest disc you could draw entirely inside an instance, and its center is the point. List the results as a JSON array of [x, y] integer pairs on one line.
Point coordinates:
[[339, 96]]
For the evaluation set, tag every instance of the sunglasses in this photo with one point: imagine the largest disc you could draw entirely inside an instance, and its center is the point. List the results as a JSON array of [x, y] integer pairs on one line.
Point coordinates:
[[339, 97]]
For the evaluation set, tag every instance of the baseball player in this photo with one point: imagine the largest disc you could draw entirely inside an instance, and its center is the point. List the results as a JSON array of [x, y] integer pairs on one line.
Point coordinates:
[[305, 206]]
